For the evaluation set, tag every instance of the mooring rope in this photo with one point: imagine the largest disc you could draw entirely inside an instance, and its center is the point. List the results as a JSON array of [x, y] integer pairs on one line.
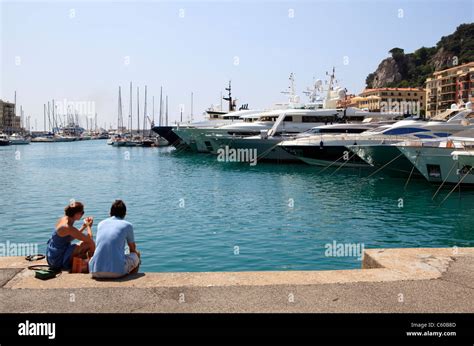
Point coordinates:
[[455, 187], [379, 169], [444, 181], [412, 169], [346, 161]]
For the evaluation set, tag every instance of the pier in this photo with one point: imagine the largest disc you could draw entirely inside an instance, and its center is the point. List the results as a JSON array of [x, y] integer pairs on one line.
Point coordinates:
[[390, 280]]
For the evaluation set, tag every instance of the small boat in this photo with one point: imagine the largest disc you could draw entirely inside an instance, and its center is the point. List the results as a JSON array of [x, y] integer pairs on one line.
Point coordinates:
[[4, 141], [63, 138], [17, 139], [154, 141], [148, 142], [43, 139], [118, 141]]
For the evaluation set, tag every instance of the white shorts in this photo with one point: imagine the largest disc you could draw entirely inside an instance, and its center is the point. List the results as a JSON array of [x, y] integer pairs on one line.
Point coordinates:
[[131, 262]]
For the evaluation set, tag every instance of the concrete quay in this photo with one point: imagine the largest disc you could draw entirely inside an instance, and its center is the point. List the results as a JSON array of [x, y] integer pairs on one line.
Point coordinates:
[[391, 280]]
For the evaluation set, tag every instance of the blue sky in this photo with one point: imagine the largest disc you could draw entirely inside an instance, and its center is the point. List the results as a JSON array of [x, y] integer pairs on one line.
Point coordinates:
[[83, 58]]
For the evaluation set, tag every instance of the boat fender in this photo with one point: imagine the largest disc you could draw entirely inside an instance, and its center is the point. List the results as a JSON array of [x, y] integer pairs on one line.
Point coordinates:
[[321, 145]]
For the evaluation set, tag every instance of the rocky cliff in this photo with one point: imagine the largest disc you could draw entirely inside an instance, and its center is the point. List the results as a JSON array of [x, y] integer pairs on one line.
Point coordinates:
[[411, 70]]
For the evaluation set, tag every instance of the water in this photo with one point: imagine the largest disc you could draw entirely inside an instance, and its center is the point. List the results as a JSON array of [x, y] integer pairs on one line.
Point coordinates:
[[192, 213]]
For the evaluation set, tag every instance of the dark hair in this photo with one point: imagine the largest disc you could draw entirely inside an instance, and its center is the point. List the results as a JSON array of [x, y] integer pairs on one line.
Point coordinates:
[[118, 209], [74, 208]]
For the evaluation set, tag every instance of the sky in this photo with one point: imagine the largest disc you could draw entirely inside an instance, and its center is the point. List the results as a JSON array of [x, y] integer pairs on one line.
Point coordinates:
[[83, 51]]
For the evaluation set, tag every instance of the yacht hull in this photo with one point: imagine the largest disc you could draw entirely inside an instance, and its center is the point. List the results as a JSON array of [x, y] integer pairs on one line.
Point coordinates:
[[266, 149], [439, 165], [333, 155], [20, 142], [167, 133], [383, 155]]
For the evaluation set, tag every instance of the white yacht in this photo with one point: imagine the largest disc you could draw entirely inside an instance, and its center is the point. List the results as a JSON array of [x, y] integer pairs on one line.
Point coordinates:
[[287, 118], [453, 121], [345, 150], [45, 138], [266, 144], [448, 161]]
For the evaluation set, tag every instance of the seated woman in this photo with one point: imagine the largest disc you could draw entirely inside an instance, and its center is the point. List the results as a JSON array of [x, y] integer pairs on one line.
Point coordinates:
[[60, 250]]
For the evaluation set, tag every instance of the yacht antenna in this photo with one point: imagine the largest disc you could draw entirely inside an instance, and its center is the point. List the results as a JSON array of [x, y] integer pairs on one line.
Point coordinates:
[[291, 89], [312, 92], [229, 98]]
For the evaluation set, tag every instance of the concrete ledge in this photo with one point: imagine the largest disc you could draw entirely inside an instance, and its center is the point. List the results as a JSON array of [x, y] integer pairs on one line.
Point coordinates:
[[380, 265], [392, 280]]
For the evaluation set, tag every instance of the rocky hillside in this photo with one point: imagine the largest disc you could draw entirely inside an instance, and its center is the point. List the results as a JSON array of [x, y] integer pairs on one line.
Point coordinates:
[[411, 70]]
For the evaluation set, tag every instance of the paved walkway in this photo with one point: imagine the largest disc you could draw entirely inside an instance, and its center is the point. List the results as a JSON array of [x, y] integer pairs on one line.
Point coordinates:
[[395, 280]]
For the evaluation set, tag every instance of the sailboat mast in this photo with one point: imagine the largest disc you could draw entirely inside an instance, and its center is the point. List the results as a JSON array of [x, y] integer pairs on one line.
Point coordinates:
[[166, 113], [54, 118], [161, 106], [144, 112], [44, 117], [119, 118], [49, 118], [130, 123], [138, 110]]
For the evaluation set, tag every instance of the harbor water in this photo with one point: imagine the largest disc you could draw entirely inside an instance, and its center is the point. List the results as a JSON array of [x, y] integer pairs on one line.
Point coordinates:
[[193, 213]]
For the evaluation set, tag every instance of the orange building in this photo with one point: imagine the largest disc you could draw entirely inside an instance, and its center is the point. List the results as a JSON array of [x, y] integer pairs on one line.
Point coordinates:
[[452, 85], [394, 100]]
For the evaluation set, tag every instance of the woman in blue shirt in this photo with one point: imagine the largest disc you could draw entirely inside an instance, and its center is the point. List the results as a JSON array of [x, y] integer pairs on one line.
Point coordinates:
[[60, 250]]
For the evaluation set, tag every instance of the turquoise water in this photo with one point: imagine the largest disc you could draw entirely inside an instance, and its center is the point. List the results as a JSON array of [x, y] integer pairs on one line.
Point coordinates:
[[192, 213]]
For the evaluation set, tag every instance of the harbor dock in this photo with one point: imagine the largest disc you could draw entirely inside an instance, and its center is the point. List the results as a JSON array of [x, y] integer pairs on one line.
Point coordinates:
[[390, 280]]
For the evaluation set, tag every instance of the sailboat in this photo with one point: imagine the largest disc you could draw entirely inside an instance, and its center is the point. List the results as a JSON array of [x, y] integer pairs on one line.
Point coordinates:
[[119, 139]]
